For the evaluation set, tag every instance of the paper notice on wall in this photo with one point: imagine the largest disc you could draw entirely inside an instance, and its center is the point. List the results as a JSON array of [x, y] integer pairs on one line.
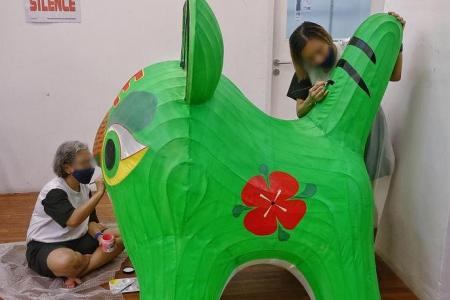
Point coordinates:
[[301, 7], [305, 5], [53, 11]]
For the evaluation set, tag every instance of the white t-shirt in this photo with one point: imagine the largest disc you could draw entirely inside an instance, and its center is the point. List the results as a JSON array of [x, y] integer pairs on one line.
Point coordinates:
[[55, 204]]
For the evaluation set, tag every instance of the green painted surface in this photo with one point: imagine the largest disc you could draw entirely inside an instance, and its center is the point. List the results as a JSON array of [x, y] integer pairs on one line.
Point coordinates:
[[189, 209]]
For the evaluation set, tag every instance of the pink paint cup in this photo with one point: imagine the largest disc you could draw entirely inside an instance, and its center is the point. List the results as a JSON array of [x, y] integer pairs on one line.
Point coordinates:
[[107, 242]]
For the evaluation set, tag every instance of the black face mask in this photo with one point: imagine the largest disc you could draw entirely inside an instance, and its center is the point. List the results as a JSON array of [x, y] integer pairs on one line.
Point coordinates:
[[329, 61], [83, 176]]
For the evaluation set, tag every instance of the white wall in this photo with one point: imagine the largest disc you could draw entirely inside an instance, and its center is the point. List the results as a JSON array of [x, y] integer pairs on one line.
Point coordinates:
[[415, 225], [58, 80]]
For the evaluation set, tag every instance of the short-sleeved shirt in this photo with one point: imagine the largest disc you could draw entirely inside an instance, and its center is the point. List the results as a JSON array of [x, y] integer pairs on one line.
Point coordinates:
[[299, 89], [55, 204]]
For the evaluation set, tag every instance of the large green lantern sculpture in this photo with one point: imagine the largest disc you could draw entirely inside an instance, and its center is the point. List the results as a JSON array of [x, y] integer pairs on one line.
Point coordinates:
[[203, 182]]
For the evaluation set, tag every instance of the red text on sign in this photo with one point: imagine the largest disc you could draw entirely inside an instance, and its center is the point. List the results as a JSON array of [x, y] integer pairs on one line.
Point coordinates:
[[52, 5]]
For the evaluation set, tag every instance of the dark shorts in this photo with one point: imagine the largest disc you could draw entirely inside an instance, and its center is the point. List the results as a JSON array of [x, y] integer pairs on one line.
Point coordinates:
[[37, 252]]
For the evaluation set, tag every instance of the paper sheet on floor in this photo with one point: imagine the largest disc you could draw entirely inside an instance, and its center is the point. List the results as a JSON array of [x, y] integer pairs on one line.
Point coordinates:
[[19, 282]]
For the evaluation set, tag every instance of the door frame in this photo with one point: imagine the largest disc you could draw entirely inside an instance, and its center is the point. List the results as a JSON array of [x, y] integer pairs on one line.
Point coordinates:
[[269, 66]]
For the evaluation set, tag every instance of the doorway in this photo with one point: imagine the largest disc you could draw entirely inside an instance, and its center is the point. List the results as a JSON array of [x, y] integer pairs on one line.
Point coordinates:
[[264, 282]]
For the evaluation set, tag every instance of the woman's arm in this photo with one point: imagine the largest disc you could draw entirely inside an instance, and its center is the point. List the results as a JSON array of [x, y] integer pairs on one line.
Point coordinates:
[[316, 94], [94, 227], [82, 213], [304, 106], [397, 73]]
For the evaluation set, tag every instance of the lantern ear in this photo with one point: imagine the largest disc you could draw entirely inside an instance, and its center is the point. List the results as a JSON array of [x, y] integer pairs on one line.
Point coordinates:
[[202, 51]]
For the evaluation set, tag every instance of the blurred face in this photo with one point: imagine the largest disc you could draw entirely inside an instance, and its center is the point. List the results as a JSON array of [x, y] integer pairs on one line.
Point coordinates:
[[83, 160], [315, 52]]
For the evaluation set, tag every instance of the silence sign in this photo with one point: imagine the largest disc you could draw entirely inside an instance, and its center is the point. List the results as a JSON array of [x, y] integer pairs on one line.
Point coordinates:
[[53, 11]]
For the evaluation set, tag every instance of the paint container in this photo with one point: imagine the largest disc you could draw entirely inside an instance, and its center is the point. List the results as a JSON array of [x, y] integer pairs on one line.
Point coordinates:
[[107, 242]]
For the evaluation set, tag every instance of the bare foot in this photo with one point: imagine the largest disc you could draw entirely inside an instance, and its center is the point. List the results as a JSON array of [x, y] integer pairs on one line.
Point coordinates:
[[70, 283]]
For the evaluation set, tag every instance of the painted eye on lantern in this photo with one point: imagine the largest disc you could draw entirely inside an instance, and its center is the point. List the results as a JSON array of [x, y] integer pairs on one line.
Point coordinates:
[[121, 154]]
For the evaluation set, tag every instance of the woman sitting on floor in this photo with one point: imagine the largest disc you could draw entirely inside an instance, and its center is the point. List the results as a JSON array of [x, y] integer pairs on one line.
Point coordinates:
[[64, 232]]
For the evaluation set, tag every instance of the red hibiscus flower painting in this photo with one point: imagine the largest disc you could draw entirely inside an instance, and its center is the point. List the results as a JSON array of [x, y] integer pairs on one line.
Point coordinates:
[[272, 204]]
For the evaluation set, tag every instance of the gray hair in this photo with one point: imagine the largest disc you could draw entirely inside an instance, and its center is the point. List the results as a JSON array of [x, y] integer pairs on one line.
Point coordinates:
[[65, 155]]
